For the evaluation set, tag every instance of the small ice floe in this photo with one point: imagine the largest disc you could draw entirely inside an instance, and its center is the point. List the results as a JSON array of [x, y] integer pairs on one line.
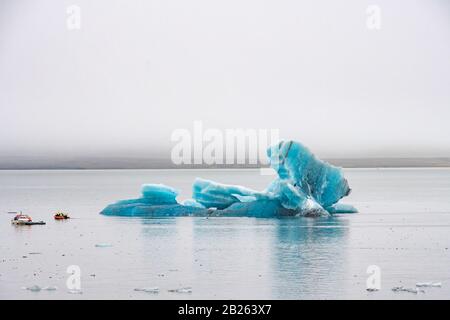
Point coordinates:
[[34, 288], [411, 290], [148, 289], [37, 288], [182, 290], [429, 284], [50, 288], [103, 245]]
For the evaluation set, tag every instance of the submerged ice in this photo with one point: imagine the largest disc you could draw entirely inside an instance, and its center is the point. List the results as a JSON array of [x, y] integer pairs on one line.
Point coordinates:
[[305, 186]]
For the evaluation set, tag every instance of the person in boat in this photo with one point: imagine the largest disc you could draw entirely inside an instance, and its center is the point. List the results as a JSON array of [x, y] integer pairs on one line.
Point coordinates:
[[61, 215]]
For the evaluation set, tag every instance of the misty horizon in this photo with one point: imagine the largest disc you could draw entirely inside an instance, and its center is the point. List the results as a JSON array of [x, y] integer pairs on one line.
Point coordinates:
[[130, 162], [121, 84]]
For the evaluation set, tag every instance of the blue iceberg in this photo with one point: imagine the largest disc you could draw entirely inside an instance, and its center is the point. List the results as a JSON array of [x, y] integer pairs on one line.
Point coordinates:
[[217, 195], [157, 200], [305, 186], [313, 177], [342, 208]]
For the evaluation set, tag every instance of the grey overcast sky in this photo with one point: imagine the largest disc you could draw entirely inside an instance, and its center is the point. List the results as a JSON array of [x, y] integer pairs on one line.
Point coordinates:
[[137, 70]]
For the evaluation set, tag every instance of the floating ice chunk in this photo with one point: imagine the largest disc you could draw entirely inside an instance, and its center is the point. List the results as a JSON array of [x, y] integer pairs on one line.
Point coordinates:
[[341, 208], [306, 186], [411, 290], [428, 284], [315, 178], [148, 289], [182, 290], [103, 245], [34, 288], [50, 288]]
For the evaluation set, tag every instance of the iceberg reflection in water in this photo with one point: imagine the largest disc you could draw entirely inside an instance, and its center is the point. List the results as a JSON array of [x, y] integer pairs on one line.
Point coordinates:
[[249, 257]]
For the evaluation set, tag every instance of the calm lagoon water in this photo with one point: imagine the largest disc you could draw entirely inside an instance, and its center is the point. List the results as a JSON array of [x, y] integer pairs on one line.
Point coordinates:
[[403, 227]]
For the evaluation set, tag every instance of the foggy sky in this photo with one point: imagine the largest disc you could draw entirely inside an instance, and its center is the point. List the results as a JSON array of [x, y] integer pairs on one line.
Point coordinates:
[[138, 70]]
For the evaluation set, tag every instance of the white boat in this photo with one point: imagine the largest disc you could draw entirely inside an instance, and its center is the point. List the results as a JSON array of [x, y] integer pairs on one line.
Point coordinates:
[[23, 219]]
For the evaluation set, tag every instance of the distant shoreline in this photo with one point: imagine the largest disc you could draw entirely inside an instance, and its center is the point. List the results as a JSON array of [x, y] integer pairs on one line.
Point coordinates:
[[140, 163]]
